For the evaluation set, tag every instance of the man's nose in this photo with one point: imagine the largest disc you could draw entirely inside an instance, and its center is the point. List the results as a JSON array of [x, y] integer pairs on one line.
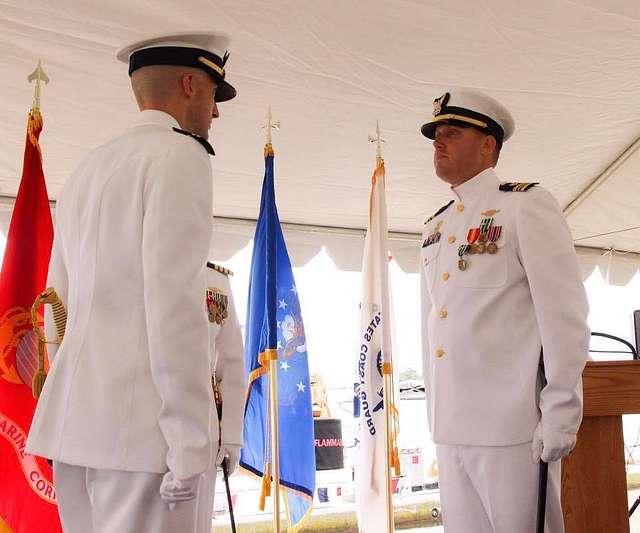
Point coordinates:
[[215, 113], [438, 144]]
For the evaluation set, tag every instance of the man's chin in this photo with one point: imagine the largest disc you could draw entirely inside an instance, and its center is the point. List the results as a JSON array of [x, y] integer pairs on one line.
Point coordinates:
[[444, 175], [441, 171]]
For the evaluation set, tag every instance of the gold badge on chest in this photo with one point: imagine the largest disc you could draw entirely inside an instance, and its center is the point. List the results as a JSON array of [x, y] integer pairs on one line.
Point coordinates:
[[217, 305]]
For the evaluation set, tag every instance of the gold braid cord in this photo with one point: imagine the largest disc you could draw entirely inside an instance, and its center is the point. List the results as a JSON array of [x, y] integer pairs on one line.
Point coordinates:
[[48, 296]]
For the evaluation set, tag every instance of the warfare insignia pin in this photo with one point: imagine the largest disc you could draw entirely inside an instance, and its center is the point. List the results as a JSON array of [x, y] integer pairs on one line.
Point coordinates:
[[217, 305], [490, 212]]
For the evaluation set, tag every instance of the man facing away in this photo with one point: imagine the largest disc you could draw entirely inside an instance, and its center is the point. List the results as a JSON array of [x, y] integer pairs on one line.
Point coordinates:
[[504, 328], [125, 413]]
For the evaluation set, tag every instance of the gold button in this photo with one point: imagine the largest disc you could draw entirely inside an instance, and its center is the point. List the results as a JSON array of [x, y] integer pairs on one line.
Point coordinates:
[[446, 276], [439, 353], [460, 208], [443, 313], [452, 239]]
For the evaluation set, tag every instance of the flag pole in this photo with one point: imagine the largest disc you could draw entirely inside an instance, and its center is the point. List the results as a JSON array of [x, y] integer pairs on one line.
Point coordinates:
[[275, 437], [387, 388], [388, 449], [273, 392]]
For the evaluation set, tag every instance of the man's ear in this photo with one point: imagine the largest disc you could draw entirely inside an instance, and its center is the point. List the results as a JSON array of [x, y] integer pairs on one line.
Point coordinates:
[[187, 85], [489, 145]]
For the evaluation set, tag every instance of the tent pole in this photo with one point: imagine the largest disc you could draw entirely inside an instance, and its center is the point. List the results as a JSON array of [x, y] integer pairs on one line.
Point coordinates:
[[602, 178]]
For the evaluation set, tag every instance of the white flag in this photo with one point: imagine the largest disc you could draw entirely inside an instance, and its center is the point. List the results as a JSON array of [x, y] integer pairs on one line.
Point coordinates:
[[375, 357]]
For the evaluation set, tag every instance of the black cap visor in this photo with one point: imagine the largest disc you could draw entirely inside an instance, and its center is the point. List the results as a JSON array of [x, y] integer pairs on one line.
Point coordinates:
[[211, 63], [465, 118]]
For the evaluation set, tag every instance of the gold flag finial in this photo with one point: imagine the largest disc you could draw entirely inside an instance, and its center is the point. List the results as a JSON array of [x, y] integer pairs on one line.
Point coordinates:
[[38, 76], [378, 140], [270, 126]]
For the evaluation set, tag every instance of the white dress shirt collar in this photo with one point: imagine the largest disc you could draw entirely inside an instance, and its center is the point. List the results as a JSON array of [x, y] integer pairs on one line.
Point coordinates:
[[155, 116], [479, 183]]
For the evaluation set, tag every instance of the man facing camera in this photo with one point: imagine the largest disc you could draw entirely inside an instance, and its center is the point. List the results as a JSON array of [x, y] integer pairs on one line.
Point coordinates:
[[504, 328], [126, 410]]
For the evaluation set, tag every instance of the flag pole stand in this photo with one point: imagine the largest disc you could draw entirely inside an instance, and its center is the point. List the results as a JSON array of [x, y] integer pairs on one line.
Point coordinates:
[[386, 384], [275, 437]]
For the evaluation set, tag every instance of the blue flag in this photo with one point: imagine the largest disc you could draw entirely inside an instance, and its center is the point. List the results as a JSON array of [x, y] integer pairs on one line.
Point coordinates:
[[274, 322]]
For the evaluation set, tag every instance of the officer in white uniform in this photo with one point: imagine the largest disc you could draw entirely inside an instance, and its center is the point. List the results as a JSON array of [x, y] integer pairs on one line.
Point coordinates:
[[502, 305], [126, 410], [227, 368]]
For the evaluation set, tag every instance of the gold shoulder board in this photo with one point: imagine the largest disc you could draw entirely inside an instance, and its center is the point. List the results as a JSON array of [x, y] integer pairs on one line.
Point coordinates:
[[517, 187], [220, 269]]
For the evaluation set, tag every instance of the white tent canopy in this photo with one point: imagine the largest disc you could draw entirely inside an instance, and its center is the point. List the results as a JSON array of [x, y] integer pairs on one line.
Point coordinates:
[[569, 70]]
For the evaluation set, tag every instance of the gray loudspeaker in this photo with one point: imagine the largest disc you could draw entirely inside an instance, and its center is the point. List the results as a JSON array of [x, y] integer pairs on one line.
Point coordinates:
[[636, 329]]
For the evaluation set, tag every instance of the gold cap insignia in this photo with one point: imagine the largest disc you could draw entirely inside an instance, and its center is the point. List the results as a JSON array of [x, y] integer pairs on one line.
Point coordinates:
[[439, 103]]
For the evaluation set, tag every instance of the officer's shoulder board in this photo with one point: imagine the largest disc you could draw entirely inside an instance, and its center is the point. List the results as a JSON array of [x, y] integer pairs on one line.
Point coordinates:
[[201, 140], [517, 187], [438, 212], [220, 269]]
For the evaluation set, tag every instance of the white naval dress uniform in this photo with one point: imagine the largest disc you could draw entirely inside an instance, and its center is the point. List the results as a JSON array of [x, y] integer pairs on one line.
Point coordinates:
[[227, 364], [128, 396], [482, 331]]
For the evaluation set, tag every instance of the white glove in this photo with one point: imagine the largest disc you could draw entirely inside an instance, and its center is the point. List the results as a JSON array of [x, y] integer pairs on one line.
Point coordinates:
[[232, 453], [550, 445], [173, 491]]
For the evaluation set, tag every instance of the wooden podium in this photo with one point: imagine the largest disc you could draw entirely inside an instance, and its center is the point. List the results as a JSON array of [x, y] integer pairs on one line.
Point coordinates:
[[594, 481]]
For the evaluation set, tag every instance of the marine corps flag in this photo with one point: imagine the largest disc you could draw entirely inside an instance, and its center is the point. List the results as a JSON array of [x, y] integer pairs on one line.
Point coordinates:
[[274, 324], [27, 497], [375, 362]]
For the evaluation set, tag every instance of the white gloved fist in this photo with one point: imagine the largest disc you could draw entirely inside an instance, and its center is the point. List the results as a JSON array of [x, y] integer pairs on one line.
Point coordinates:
[[174, 491], [549, 445], [232, 453]]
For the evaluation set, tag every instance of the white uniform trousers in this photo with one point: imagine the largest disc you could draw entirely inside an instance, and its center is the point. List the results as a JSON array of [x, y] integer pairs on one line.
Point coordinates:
[[494, 489], [115, 501], [206, 495]]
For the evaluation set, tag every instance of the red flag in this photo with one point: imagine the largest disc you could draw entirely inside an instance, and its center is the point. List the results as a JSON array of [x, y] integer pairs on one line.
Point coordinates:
[[27, 498]]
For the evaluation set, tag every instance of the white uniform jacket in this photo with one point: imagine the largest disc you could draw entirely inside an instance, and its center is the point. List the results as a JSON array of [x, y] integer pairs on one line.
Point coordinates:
[[227, 363], [130, 388], [483, 328]]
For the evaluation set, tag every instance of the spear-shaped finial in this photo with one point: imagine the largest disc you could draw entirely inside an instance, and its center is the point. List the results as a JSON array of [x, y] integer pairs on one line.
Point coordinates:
[[378, 140], [271, 125], [39, 76]]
